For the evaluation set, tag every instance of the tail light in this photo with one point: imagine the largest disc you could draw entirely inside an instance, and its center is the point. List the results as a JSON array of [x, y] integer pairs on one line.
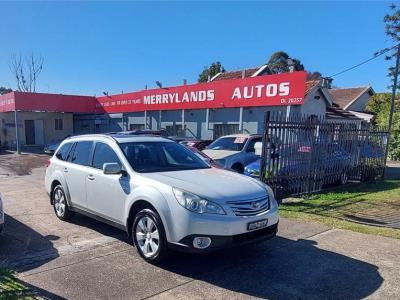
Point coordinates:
[[48, 163]]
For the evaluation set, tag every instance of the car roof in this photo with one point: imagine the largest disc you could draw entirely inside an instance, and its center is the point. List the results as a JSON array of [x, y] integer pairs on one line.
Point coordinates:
[[119, 137], [247, 135]]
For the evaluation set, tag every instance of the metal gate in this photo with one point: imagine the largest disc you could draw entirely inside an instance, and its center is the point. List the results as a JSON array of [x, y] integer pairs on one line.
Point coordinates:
[[303, 154]]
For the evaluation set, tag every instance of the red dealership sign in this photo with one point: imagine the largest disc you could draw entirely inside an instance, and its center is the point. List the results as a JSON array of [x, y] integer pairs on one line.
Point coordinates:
[[269, 90], [7, 102], [24, 101]]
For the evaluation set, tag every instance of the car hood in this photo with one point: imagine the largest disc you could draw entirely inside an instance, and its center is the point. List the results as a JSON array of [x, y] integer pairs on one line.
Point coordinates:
[[219, 154], [214, 184]]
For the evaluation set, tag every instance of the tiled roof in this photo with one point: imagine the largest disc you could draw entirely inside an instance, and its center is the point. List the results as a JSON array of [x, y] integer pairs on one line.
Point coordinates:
[[343, 97], [310, 85], [336, 112], [237, 74]]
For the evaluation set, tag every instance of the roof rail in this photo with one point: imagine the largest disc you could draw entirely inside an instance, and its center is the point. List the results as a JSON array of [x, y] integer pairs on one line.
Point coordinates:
[[92, 134]]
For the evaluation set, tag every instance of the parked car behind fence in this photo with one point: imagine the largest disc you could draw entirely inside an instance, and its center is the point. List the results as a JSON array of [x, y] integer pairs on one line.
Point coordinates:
[[311, 153], [234, 151]]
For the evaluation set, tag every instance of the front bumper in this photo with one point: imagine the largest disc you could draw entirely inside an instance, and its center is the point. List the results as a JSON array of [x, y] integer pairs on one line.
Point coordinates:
[[221, 242]]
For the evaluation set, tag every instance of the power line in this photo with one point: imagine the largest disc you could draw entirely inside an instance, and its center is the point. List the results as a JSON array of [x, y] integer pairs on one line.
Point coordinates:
[[363, 62]]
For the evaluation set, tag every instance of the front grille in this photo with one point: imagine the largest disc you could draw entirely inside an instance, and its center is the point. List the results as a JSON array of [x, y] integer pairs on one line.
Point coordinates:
[[250, 207]]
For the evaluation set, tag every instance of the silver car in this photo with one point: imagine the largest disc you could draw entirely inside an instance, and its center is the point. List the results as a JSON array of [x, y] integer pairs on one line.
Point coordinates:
[[234, 151], [160, 192]]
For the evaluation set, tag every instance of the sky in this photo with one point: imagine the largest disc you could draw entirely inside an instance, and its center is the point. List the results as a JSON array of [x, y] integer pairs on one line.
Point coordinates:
[[94, 47]]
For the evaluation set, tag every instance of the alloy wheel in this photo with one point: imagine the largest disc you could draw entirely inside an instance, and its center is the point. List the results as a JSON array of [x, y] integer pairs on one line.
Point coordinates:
[[147, 236], [59, 202]]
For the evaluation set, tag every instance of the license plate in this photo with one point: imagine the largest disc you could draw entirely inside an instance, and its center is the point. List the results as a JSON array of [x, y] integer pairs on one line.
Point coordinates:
[[257, 224]]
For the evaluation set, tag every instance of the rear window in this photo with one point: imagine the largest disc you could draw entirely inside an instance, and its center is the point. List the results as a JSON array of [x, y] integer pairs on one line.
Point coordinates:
[[62, 153], [81, 153]]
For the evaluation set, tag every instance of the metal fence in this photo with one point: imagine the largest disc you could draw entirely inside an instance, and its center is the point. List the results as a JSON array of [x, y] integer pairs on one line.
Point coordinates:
[[302, 154]]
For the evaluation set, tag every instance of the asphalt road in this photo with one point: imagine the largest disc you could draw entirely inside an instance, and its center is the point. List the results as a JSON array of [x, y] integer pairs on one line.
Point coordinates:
[[85, 259]]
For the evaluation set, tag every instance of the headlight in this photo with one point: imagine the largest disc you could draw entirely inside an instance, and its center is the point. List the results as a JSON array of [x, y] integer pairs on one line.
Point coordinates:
[[194, 203]]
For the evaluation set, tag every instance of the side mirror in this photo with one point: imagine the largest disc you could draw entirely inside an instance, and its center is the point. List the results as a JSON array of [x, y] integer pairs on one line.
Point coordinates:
[[112, 168], [258, 148]]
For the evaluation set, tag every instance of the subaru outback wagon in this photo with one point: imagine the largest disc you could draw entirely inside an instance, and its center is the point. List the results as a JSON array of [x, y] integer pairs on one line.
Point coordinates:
[[161, 193]]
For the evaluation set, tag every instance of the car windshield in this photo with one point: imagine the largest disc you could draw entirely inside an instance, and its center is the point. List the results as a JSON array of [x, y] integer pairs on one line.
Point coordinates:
[[145, 157], [228, 143]]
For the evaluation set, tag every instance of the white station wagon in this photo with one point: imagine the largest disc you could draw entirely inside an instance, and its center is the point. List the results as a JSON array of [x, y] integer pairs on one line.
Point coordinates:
[[160, 192]]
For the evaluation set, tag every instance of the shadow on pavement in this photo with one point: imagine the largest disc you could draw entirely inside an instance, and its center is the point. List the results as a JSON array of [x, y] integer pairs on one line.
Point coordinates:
[[280, 269], [100, 227], [20, 245]]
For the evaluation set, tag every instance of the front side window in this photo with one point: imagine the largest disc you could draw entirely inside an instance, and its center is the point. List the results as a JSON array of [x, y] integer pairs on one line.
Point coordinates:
[[228, 143], [161, 157], [104, 154], [62, 153], [81, 153]]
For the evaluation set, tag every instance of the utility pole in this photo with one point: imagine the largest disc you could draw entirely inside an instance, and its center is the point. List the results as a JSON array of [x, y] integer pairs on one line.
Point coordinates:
[[394, 89]]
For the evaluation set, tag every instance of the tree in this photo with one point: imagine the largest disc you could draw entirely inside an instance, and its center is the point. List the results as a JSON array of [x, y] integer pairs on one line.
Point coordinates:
[[26, 71], [211, 71], [379, 104], [279, 63], [392, 30], [4, 90], [314, 75]]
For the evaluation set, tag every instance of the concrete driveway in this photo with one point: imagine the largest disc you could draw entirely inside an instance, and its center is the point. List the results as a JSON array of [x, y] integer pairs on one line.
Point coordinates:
[[85, 259]]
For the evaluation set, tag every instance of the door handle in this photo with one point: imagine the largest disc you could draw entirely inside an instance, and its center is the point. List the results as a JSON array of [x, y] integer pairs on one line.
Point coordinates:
[[90, 177], [65, 170]]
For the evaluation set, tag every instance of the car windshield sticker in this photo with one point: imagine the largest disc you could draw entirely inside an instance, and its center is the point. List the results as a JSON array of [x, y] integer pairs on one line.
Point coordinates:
[[239, 140]]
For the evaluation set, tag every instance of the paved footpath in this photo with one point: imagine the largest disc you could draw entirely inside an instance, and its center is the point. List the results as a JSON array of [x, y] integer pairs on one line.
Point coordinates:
[[85, 259]]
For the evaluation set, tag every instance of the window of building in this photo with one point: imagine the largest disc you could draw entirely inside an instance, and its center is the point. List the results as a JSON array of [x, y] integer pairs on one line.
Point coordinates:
[[58, 124], [81, 153], [176, 130], [225, 129], [104, 154], [62, 154], [136, 127]]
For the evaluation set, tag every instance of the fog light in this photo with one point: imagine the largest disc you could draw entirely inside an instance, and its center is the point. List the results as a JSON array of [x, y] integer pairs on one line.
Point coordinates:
[[201, 242]]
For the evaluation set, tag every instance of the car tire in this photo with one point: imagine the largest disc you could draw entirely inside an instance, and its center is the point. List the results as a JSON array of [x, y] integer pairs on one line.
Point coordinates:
[[344, 178], [238, 168], [149, 236], [60, 203]]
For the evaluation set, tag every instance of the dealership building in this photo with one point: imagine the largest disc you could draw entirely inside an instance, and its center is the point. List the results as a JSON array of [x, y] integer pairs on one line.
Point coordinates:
[[230, 102]]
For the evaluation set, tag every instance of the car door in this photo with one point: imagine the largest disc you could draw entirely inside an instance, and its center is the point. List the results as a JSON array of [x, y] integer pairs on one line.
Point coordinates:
[[76, 172], [250, 155], [106, 193]]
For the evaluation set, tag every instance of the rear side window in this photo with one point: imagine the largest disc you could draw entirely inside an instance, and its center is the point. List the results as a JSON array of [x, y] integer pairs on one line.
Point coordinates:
[[62, 153], [104, 154], [81, 153]]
